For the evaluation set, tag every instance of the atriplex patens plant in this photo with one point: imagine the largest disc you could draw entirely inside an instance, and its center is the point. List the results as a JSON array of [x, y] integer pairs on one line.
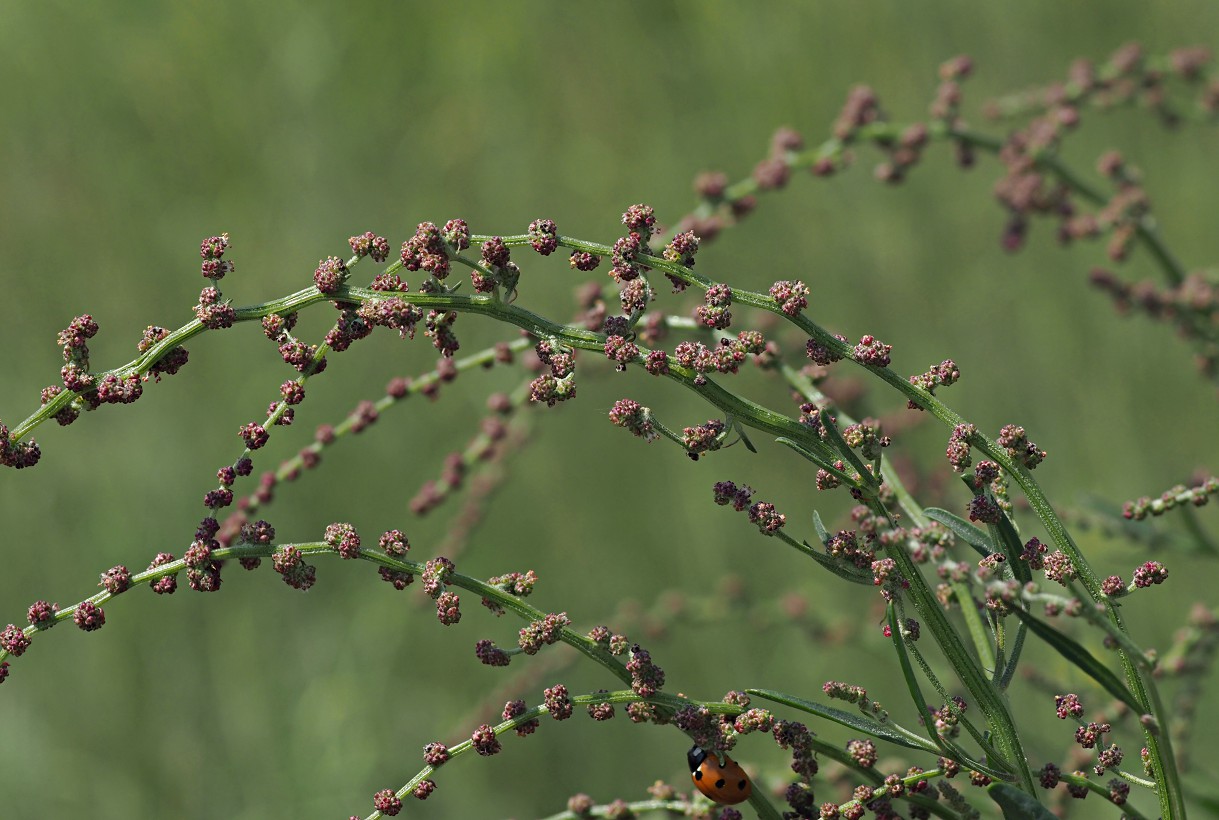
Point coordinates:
[[893, 540]]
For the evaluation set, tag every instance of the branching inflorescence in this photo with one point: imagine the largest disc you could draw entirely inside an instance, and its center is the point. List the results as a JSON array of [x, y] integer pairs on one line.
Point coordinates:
[[919, 559]]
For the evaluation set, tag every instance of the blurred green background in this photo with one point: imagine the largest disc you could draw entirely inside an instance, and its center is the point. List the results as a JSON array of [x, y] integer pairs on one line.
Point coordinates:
[[134, 130]]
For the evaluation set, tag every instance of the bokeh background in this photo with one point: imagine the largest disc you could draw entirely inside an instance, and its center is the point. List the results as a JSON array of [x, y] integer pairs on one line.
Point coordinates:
[[133, 130]]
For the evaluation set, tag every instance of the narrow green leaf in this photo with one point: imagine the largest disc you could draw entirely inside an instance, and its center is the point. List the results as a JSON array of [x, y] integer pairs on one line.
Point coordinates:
[[1074, 652], [978, 633], [967, 532], [848, 719], [1017, 805], [819, 526], [916, 692]]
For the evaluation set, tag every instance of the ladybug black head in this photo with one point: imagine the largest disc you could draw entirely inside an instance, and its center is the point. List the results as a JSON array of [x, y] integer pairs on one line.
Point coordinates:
[[695, 757]]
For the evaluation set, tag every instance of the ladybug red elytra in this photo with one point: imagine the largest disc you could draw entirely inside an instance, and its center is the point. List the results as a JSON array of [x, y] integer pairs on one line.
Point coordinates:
[[724, 783]]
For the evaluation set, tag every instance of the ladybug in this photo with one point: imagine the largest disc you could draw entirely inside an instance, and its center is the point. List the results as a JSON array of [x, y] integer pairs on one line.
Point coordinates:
[[726, 783]]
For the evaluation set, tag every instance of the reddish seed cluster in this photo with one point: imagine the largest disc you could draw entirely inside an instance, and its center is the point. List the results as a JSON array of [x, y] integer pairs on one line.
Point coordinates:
[[681, 250], [485, 742], [456, 234], [1152, 572], [985, 509], [516, 708], [399, 580], [14, 641], [634, 296], [116, 579], [394, 543], [1059, 568], [646, 677], [850, 693], [491, 655], [1088, 736], [370, 244], [171, 361], [543, 236], [703, 438], [958, 447], [212, 313], [290, 564], [584, 261], [352, 325], [426, 251], [212, 250], [944, 374], [386, 802], [863, 752], [727, 492], [42, 614], [601, 711], [1068, 705], [640, 219], [558, 702], [845, 546], [436, 573], [114, 390], [1013, 439], [89, 616], [169, 584], [621, 352], [821, 353], [448, 608], [439, 326], [715, 313], [797, 737], [500, 270], [515, 583], [753, 720], [344, 539], [766, 518], [330, 275], [865, 436], [394, 313], [74, 340], [792, 297], [435, 754], [544, 632], [626, 250], [872, 351]]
